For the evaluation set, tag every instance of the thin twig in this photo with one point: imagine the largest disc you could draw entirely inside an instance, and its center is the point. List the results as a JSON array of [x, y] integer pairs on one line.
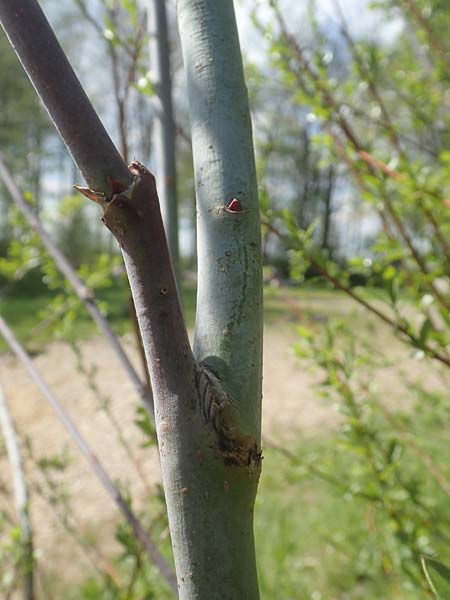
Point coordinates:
[[20, 493], [97, 468], [104, 405], [75, 531], [370, 307], [392, 133], [411, 9], [330, 103], [426, 459], [84, 294]]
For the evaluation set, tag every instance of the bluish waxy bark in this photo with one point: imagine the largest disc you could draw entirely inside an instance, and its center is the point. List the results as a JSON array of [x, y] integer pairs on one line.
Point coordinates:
[[207, 403]]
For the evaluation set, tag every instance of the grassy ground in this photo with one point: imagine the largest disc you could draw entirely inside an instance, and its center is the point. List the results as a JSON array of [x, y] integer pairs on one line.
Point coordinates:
[[25, 314], [314, 543], [286, 305]]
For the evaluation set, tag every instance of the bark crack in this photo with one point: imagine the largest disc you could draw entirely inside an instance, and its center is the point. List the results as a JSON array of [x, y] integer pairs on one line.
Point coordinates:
[[219, 409]]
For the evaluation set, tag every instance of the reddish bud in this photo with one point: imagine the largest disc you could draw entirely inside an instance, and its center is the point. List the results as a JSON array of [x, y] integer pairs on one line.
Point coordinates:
[[234, 206], [116, 187]]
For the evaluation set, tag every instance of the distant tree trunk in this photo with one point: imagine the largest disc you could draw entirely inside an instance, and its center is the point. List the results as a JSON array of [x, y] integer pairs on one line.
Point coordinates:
[[303, 165], [207, 408], [21, 495], [163, 127], [327, 212]]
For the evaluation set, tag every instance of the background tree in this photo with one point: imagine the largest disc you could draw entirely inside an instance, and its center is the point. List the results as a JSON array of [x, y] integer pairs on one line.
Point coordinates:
[[164, 124]]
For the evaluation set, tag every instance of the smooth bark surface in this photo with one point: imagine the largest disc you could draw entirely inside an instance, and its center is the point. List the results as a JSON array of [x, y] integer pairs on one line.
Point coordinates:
[[163, 139], [208, 410], [20, 494], [228, 328], [228, 332]]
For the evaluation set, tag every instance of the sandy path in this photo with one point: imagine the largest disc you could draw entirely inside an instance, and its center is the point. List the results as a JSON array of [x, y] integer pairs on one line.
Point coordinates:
[[291, 407], [287, 406]]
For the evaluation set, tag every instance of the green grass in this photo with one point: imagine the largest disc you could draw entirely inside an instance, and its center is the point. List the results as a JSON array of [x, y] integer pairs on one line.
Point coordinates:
[[24, 313], [314, 543]]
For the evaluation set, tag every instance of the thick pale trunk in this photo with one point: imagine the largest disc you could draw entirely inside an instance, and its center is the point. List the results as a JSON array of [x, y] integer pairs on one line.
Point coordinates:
[[228, 333], [208, 409], [228, 329]]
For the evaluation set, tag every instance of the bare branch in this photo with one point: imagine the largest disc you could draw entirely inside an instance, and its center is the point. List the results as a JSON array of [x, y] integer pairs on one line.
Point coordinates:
[[149, 545], [20, 492], [83, 293]]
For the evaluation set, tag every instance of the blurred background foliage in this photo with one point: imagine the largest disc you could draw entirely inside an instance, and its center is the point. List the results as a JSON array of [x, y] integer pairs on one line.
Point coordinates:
[[352, 132]]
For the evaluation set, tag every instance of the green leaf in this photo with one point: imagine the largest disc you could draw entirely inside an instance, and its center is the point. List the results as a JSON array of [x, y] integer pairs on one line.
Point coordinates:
[[425, 330], [305, 332], [445, 156], [389, 273], [142, 421], [131, 8], [438, 577]]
